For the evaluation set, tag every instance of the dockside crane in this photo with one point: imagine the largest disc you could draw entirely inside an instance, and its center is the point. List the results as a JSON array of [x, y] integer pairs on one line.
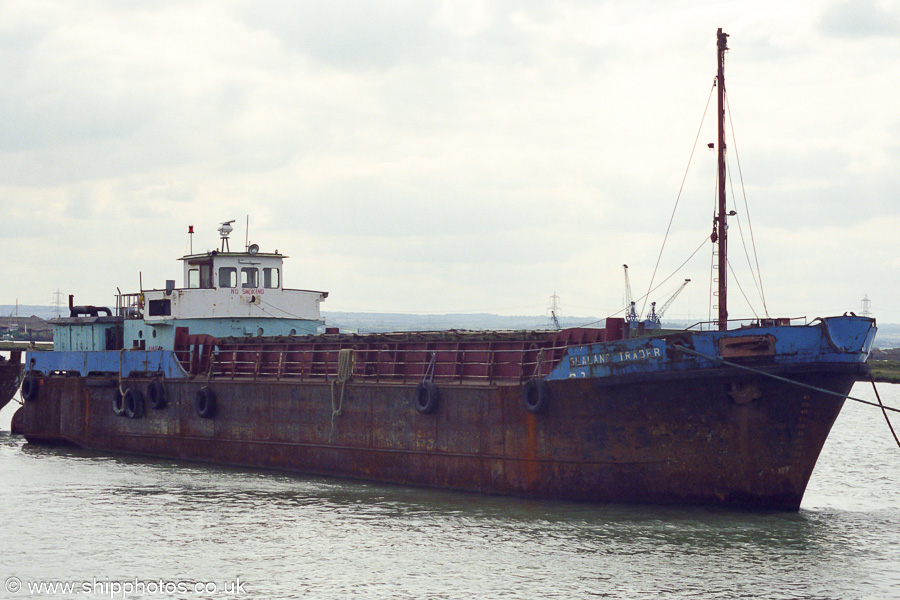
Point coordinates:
[[656, 317], [630, 311]]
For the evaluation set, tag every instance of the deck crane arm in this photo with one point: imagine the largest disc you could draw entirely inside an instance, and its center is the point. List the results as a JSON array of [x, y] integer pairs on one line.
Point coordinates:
[[630, 312], [672, 299]]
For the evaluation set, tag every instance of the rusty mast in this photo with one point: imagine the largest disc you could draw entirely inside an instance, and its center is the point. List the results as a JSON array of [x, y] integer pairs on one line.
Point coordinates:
[[721, 226]]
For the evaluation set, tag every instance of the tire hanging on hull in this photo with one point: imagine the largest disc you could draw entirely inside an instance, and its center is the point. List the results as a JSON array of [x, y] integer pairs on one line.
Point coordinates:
[[156, 394], [134, 403], [118, 403], [428, 396], [205, 403], [536, 396], [30, 387]]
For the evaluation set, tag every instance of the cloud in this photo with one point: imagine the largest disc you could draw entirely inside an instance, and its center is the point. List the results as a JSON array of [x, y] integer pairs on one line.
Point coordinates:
[[862, 19], [436, 155], [354, 35]]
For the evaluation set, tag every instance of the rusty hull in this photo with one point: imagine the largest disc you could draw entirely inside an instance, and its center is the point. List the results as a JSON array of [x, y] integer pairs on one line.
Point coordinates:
[[11, 373], [722, 438]]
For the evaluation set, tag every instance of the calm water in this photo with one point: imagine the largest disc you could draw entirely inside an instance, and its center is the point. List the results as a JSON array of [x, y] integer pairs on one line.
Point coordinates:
[[109, 521]]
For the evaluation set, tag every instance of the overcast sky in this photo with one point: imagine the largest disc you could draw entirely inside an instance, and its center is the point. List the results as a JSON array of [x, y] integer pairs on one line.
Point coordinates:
[[453, 156]]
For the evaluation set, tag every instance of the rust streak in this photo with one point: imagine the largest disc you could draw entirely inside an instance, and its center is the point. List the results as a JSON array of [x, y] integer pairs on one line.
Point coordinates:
[[530, 465], [87, 411]]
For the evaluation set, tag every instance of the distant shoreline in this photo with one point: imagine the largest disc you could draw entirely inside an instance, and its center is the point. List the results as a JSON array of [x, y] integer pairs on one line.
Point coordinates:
[[888, 336]]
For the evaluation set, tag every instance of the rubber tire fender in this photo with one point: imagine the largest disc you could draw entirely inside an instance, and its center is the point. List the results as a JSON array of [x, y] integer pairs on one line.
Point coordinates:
[[156, 394], [118, 403], [133, 402], [536, 396], [205, 403], [31, 386], [428, 396]]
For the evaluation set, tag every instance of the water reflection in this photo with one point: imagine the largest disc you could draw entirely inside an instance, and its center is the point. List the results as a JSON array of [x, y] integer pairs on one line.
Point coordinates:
[[73, 513]]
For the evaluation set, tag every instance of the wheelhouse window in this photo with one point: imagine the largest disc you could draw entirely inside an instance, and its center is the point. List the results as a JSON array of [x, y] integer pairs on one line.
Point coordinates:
[[271, 278], [227, 277], [206, 276], [200, 275], [250, 277]]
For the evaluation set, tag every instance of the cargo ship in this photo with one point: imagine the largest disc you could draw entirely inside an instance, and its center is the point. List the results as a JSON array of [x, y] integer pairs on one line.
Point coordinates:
[[234, 368]]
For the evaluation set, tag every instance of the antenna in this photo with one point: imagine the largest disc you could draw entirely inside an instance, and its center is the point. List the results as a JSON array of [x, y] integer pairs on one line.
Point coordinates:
[[191, 238], [225, 230], [247, 235]]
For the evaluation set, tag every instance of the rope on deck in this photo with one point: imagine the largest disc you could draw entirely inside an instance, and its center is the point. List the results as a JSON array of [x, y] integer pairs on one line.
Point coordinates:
[[346, 363]]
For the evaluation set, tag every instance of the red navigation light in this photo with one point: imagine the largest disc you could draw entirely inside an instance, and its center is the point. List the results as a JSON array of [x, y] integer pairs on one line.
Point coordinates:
[[190, 229]]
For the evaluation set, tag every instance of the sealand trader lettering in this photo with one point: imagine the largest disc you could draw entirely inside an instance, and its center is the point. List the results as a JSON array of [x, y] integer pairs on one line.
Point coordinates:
[[603, 358]]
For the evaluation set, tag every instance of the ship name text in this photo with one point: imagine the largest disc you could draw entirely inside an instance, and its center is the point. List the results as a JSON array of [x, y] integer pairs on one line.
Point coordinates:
[[602, 358]]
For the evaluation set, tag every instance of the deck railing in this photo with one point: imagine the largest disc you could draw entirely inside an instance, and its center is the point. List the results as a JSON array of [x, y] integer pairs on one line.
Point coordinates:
[[129, 305], [450, 361]]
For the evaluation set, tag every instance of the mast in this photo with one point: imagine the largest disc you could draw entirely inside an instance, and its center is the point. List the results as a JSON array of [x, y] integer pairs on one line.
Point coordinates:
[[721, 226]]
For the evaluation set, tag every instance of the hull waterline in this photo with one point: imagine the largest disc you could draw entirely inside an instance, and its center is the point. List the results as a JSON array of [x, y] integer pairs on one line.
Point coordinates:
[[721, 438]]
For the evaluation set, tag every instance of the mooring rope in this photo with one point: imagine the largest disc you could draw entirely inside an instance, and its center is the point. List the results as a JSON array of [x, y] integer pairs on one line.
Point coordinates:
[[121, 353], [30, 370], [880, 405], [346, 363], [429, 369], [538, 363], [785, 379], [212, 359], [884, 410]]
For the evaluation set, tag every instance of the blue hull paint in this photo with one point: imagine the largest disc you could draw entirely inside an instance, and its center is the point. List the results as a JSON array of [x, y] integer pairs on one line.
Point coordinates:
[[125, 362], [833, 340]]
